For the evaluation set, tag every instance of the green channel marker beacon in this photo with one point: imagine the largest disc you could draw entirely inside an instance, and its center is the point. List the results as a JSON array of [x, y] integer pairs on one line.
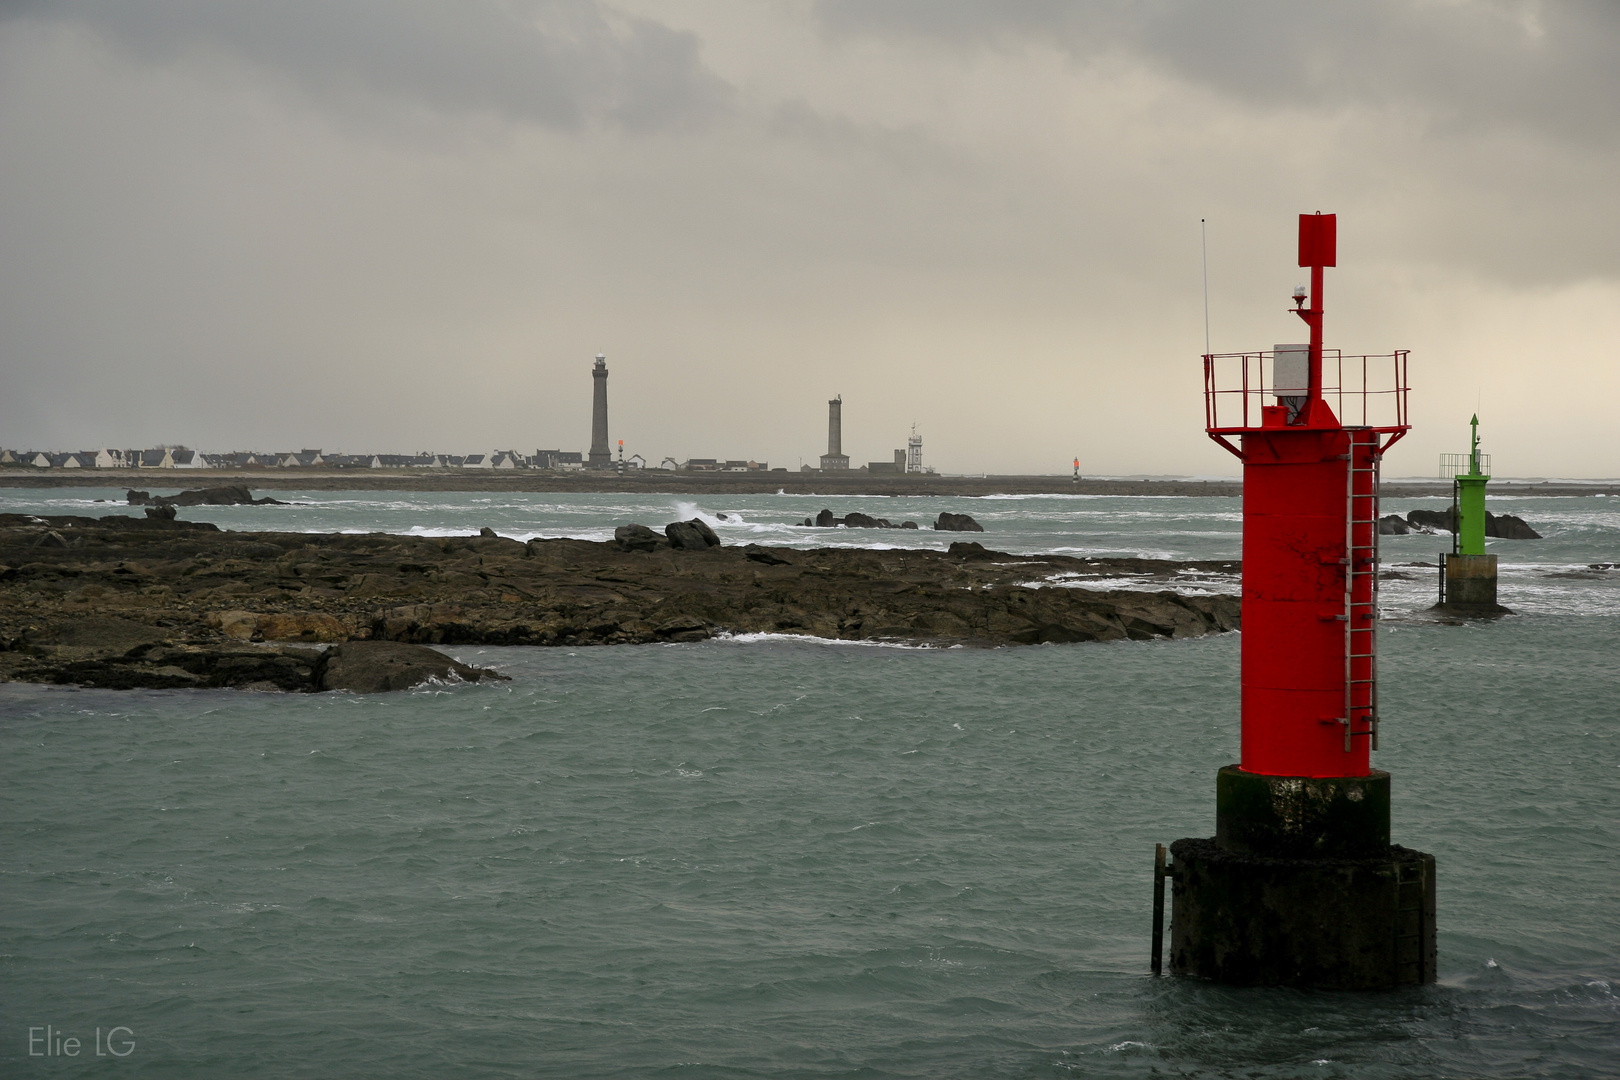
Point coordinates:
[[1468, 577], [1468, 496]]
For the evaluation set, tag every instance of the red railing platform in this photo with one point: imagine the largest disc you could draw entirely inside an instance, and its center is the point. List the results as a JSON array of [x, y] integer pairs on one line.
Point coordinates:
[[1363, 391]]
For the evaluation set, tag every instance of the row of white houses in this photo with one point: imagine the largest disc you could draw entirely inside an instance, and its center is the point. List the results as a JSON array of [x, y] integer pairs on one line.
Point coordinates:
[[163, 457], [180, 457]]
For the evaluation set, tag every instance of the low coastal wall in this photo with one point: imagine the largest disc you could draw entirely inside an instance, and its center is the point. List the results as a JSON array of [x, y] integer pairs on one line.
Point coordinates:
[[656, 481], [653, 481]]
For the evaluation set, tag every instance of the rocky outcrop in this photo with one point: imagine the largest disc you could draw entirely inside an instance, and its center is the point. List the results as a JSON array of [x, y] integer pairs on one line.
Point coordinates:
[[693, 535], [194, 606], [1432, 520], [1508, 527], [1393, 525], [972, 549], [637, 538], [856, 520], [1497, 526], [957, 523], [376, 667], [114, 653], [224, 495]]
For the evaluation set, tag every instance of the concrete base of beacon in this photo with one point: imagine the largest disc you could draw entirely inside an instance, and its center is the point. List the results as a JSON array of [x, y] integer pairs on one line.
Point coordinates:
[[1301, 887], [1470, 585]]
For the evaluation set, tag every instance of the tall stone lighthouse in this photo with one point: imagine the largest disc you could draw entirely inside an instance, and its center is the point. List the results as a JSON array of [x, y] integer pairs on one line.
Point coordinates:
[[601, 457], [835, 458]]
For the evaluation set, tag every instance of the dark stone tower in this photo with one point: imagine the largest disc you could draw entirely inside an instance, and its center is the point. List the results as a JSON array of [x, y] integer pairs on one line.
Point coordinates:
[[835, 458], [601, 457]]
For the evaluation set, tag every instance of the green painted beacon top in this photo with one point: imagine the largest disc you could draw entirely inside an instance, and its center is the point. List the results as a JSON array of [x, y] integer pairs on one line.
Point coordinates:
[[1469, 497]]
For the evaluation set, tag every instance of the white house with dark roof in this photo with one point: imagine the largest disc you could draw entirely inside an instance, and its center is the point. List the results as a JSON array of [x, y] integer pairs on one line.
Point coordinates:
[[156, 458]]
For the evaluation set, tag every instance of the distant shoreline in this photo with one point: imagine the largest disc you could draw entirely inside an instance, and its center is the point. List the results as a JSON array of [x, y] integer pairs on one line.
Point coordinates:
[[656, 481]]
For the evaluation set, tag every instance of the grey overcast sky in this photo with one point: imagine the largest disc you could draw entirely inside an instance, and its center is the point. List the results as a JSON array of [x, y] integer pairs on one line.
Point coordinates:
[[392, 225]]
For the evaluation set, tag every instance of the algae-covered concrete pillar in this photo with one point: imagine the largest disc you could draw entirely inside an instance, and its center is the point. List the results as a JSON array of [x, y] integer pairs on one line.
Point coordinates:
[[601, 457], [1471, 583], [1301, 887]]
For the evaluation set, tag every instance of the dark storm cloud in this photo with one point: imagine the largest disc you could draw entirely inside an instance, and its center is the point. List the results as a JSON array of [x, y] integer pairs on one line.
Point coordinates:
[[558, 63], [1547, 68]]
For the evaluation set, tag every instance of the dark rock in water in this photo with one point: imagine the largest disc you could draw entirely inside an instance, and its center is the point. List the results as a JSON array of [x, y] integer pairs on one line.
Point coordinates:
[[957, 523], [162, 512], [693, 535], [1497, 526], [1508, 527], [487, 532], [1430, 520], [637, 538], [224, 495], [856, 520], [1393, 525], [374, 667], [811, 521], [755, 553]]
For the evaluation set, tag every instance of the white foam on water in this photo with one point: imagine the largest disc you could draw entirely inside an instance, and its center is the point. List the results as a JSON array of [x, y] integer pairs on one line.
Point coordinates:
[[1132, 584], [1073, 496], [759, 638]]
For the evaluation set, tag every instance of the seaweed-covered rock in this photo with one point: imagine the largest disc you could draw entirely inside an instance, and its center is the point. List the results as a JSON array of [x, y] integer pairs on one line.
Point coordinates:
[[375, 667], [693, 535], [637, 538], [948, 522], [223, 495], [1508, 527], [200, 607], [1497, 526]]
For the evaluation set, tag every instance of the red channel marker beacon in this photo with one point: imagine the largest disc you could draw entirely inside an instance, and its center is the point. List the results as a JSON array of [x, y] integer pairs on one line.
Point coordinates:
[[1301, 885]]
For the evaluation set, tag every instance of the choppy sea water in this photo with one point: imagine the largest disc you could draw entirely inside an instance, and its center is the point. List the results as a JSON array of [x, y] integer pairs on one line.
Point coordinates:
[[780, 858]]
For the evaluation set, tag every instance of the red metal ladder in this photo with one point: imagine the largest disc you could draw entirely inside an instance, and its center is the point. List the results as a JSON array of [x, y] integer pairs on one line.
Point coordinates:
[[1361, 586]]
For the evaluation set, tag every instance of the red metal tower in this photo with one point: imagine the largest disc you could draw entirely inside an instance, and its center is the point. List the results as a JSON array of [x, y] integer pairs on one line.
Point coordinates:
[[1300, 884], [1310, 532]]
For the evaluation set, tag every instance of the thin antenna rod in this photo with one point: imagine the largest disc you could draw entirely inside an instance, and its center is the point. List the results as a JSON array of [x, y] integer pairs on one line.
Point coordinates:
[[1203, 235]]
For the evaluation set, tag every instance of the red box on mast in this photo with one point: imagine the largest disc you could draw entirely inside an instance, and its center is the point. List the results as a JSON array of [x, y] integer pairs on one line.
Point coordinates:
[[1318, 239]]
